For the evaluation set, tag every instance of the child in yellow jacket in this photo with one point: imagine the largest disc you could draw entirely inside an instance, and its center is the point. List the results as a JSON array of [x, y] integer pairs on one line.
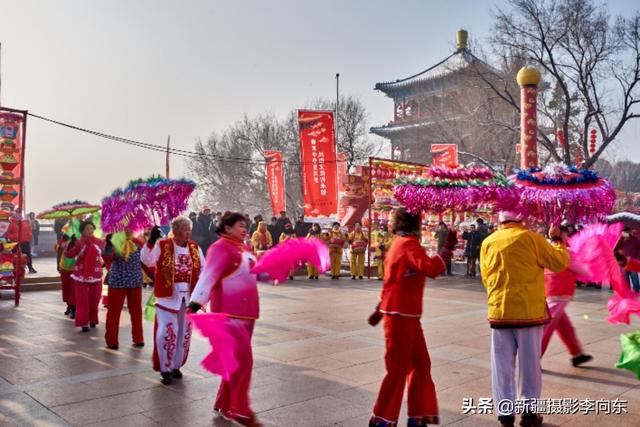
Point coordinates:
[[381, 241], [287, 234], [314, 233]]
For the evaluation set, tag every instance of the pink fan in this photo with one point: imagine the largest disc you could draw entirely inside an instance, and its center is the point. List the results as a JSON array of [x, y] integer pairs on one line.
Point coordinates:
[[592, 253], [225, 338], [279, 261]]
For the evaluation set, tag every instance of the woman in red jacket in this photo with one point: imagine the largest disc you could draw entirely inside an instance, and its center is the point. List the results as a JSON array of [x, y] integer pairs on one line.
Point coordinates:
[[559, 289], [407, 360], [87, 275]]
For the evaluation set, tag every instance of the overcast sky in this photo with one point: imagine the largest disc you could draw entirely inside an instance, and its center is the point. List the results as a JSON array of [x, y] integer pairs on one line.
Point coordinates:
[[146, 69]]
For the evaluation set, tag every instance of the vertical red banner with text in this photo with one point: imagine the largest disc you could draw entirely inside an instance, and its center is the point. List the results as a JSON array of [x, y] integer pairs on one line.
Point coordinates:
[[342, 169], [275, 180], [319, 164], [445, 155]]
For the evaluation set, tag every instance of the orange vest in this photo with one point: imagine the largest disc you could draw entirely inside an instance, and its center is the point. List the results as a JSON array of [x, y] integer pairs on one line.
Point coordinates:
[[163, 283]]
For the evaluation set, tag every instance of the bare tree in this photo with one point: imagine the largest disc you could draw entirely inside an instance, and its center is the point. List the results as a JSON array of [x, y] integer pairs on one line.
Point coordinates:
[[590, 64], [231, 172]]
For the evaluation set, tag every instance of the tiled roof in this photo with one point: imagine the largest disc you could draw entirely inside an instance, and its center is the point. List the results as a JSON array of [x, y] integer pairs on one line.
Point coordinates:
[[459, 60], [391, 129]]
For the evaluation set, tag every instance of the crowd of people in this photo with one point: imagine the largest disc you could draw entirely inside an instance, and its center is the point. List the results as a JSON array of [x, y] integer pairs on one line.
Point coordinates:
[[527, 278]]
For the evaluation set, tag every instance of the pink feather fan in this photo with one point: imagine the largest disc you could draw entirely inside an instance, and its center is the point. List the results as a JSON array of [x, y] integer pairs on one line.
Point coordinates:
[[226, 338], [280, 260], [592, 253]]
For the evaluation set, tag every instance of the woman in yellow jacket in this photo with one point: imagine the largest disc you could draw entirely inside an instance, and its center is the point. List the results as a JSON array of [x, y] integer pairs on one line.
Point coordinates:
[[287, 234], [337, 240], [380, 240], [359, 244], [261, 239], [314, 233]]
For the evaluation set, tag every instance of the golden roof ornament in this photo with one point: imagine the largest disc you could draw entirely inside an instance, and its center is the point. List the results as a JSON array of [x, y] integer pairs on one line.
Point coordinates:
[[528, 76], [461, 39]]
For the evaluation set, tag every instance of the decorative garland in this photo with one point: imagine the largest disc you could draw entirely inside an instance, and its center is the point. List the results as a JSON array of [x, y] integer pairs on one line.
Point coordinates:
[[559, 193], [144, 203], [462, 190]]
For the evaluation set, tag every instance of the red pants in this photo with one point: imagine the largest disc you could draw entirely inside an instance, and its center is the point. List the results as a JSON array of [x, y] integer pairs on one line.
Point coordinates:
[[561, 323], [407, 362], [134, 303], [233, 395], [87, 300], [68, 294]]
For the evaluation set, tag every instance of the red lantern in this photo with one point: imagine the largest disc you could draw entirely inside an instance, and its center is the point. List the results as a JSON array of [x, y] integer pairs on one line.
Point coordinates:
[[560, 137]]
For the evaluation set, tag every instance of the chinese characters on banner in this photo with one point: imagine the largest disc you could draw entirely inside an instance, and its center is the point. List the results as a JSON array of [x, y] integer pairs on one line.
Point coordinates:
[[445, 155], [319, 164], [342, 170], [528, 127], [275, 180]]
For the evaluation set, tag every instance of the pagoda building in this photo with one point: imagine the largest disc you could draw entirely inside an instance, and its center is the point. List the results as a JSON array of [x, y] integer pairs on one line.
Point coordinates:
[[443, 104]]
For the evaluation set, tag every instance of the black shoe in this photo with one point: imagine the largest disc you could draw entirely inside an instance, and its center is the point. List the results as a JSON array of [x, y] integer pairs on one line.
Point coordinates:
[[380, 278], [93, 325], [85, 329], [67, 311], [113, 347], [32, 271], [507, 420], [353, 277], [360, 277], [138, 344], [380, 422], [580, 359], [166, 378], [72, 314], [530, 420], [177, 374], [290, 277]]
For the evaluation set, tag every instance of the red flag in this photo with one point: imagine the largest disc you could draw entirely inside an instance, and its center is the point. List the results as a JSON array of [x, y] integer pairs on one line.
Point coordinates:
[[319, 163], [275, 180], [445, 155]]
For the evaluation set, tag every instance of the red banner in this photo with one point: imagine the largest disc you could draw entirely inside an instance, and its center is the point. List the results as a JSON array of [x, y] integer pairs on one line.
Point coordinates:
[[342, 170], [12, 128], [319, 163], [275, 180], [445, 155]]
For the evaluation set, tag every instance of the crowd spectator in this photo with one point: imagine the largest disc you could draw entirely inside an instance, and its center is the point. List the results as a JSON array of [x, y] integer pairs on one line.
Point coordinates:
[[58, 225], [254, 225], [302, 228], [275, 230], [473, 240], [35, 229], [204, 229]]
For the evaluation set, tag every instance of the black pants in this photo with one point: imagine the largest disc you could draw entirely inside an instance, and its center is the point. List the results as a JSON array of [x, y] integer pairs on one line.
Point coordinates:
[[26, 250]]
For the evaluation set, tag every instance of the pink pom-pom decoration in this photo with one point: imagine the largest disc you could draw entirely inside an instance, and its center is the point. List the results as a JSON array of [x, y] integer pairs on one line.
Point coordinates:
[[226, 338], [280, 260], [145, 203], [462, 190], [559, 192]]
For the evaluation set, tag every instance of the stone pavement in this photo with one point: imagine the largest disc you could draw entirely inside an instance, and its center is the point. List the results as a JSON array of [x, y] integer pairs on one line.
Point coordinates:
[[317, 362]]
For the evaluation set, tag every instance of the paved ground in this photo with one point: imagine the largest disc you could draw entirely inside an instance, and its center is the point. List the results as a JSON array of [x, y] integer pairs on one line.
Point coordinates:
[[317, 362]]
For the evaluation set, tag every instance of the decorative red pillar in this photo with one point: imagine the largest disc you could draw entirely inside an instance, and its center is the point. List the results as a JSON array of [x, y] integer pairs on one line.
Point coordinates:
[[528, 79]]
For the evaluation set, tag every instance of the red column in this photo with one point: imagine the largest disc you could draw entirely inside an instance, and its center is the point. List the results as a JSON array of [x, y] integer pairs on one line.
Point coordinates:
[[528, 79]]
